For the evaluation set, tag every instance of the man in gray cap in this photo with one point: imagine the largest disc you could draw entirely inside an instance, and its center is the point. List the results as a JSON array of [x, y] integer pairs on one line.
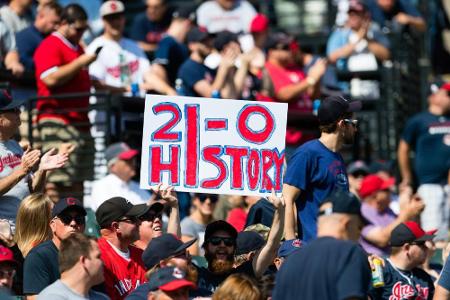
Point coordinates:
[[121, 160]]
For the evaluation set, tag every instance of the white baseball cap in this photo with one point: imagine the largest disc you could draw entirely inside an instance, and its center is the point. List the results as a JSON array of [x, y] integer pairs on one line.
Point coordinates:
[[111, 7]]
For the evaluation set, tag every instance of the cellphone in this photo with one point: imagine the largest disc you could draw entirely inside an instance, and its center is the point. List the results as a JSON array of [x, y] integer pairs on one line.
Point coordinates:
[[97, 51]]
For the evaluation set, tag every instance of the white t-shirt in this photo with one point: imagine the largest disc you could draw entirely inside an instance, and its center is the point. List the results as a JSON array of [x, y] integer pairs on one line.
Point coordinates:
[[112, 186], [214, 18], [119, 64]]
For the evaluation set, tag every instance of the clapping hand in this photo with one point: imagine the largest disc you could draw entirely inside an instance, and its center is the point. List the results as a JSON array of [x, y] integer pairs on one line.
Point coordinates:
[[30, 158], [51, 160]]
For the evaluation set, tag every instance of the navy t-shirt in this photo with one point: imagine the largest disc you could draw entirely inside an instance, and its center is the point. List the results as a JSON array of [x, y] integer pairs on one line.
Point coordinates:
[[380, 17], [171, 54], [192, 72], [316, 171], [40, 268], [429, 136], [144, 30], [27, 41], [326, 268], [401, 284], [444, 279], [260, 213]]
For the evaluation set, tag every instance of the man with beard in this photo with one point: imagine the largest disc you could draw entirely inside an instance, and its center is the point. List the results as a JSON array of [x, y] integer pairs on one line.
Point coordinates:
[[316, 168], [220, 248], [41, 266], [197, 80], [123, 267], [403, 277]]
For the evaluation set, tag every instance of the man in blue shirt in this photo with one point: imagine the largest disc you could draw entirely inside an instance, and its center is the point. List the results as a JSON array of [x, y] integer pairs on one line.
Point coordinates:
[[316, 168], [28, 39]]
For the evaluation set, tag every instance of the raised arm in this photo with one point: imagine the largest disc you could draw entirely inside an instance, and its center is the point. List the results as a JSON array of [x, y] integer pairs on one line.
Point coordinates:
[[290, 193]]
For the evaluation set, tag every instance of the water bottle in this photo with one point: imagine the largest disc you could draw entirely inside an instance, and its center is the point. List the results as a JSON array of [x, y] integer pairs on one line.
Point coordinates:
[[316, 104], [135, 90], [179, 87]]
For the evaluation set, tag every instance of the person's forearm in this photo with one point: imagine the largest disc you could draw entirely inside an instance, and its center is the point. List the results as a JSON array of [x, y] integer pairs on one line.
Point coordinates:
[[8, 182], [268, 252], [290, 193], [11, 58], [101, 86], [63, 74], [418, 23], [342, 52], [291, 92], [220, 79], [173, 225], [403, 161], [38, 182], [147, 47], [380, 52], [241, 75]]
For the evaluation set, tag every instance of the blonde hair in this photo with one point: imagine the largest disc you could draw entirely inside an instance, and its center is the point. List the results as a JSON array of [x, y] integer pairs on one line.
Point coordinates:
[[33, 222], [238, 287]]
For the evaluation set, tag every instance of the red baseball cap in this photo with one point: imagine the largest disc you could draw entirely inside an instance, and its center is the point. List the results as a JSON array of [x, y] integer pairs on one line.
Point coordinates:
[[374, 183], [6, 255], [410, 232], [120, 151], [259, 23], [169, 279]]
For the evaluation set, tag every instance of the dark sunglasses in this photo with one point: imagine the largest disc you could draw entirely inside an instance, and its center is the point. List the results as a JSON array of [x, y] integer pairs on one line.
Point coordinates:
[[216, 240], [211, 197], [284, 47], [131, 220], [79, 29], [150, 216], [12, 110], [67, 219]]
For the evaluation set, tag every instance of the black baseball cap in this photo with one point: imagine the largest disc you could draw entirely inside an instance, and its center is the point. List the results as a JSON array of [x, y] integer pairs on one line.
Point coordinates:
[[278, 40], [248, 241], [333, 108], [197, 35], [7, 102], [342, 202], [409, 232], [116, 208], [68, 203], [169, 279], [163, 247], [215, 226], [223, 38], [187, 13]]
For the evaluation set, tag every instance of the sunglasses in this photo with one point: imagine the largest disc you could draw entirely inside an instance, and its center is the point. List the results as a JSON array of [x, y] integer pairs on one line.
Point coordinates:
[[79, 29], [12, 110], [131, 220], [420, 244], [212, 198], [67, 219], [217, 240], [150, 216], [353, 122], [7, 274]]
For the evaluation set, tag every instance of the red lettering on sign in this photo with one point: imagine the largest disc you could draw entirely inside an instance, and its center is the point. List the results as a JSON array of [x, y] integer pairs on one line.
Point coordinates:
[[212, 155], [250, 135], [236, 154], [157, 165], [253, 169], [192, 145], [163, 133]]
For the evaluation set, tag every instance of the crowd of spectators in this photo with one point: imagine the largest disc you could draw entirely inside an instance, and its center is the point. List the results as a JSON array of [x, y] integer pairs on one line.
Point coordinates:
[[319, 239]]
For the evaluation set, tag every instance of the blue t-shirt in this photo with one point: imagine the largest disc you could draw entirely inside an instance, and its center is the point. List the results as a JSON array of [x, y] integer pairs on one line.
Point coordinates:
[[444, 279], [171, 54], [324, 269], [381, 17], [402, 284], [144, 30], [40, 268], [316, 171], [192, 72], [429, 136], [27, 41]]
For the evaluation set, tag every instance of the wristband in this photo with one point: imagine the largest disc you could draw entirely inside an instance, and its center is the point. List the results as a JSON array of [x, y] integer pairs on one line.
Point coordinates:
[[215, 94]]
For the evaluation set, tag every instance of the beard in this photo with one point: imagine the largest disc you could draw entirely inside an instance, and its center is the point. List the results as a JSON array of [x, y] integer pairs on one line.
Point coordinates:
[[220, 266]]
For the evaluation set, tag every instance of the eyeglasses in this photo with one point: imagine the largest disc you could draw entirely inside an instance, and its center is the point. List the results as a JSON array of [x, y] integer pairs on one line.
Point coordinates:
[[216, 240], [212, 198], [150, 216], [67, 219], [182, 254], [131, 220], [7, 274], [353, 122]]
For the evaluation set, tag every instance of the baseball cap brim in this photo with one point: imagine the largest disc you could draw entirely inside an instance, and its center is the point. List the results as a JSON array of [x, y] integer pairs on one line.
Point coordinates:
[[426, 237], [177, 284], [184, 246], [78, 208], [137, 210], [13, 104], [129, 154], [156, 206], [354, 106], [388, 183]]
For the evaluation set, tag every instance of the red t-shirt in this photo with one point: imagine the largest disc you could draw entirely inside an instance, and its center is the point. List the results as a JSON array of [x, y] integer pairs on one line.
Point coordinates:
[[121, 276], [56, 51], [237, 218], [282, 77]]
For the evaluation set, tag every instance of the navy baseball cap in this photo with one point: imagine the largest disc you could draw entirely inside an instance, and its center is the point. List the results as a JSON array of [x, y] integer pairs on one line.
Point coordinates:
[[7, 102], [116, 208], [163, 247], [333, 108], [288, 247], [342, 202], [358, 167], [409, 232], [197, 35], [68, 203], [248, 241], [187, 13], [218, 225], [169, 279]]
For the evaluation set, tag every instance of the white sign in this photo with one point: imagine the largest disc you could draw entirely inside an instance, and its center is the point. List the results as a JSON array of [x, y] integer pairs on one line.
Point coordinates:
[[213, 145]]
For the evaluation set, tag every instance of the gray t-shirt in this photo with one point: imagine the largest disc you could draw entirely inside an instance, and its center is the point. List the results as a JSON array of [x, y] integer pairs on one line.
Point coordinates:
[[15, 22], [190, 228], [7, 41], [59, 291], [10, 159]]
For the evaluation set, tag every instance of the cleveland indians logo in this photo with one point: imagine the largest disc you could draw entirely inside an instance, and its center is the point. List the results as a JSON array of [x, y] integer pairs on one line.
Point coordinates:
[[405, 291]]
